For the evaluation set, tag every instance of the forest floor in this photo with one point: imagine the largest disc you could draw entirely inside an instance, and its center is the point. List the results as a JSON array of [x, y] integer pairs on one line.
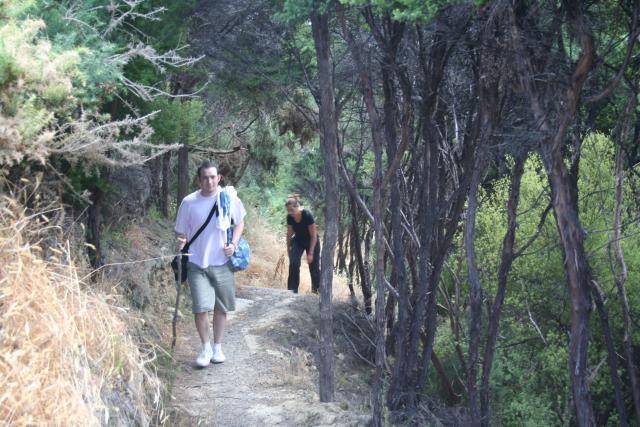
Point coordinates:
[[270, 376]]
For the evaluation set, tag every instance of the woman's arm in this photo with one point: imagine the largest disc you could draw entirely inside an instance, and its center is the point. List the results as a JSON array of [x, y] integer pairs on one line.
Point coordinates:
[[289, 236], [313, 233]]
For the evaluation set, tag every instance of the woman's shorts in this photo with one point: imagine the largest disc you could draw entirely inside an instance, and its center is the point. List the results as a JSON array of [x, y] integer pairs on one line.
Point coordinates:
[[212, 287]]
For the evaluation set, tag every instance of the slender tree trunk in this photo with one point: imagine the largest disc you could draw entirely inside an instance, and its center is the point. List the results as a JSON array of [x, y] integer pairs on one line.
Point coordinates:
[[620, 277], [402, 390], [156, 177], [166, 177], [398, 280], [447, 385], [342, 249], [328, 143], [505, 266], [611, 355], [475, 298], [378, 221], [351, 271], [365, 284], [446, 232], [377, 391], [578, 276], [564, 193], [406, 381], [94, 223], [405, 385], [183, 173]]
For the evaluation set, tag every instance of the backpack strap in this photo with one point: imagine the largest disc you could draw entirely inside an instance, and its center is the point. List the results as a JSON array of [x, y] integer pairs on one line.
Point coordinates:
[[201, 229]]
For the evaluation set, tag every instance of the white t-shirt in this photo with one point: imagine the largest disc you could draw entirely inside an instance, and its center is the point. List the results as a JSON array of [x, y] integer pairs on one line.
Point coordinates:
[[208, 248]]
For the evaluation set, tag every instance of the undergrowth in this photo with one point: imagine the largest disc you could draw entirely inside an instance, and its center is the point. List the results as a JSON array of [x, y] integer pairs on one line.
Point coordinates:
[[66, 357]]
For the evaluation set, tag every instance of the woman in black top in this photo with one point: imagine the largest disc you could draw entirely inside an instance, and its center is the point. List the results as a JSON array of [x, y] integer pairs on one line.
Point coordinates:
[[301, 236]]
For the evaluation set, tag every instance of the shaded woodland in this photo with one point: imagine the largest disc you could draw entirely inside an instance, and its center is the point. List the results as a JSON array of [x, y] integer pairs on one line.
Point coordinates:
[[475, 164]]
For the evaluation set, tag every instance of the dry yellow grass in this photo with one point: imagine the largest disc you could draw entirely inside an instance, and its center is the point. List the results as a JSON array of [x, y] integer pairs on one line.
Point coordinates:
[[65, 355]]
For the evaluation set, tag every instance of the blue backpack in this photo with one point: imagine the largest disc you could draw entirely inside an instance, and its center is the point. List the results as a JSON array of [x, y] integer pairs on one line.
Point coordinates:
[[240, 258]]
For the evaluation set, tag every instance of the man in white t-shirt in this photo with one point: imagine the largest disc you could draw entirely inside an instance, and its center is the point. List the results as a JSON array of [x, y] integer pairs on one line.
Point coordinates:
[[210, 278]]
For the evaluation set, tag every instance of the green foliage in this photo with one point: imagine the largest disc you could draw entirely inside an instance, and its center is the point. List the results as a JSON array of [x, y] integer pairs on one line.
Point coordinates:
[[178, 121], [294, 174], [529, 382], [36, 83], [85, 176], [296, 10], [412, 11]]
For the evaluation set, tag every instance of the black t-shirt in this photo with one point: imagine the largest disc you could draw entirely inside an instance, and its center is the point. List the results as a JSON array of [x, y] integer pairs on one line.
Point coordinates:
[[301, 229]]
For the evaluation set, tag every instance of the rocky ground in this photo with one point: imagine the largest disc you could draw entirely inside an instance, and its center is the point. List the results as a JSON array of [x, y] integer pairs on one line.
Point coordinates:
[[264, 381]]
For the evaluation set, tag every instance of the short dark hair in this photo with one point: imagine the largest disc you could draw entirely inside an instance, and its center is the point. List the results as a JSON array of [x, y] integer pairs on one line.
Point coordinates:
[[206, 165]]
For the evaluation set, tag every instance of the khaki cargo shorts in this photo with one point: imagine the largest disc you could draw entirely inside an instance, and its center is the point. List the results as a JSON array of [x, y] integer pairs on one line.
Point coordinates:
[[212, 287]]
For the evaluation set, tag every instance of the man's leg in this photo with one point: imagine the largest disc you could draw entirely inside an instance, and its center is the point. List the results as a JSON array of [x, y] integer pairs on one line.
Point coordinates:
[[314, 268], [293, 282], [203, 297], [224, 284], [219, 322], [202, 325]]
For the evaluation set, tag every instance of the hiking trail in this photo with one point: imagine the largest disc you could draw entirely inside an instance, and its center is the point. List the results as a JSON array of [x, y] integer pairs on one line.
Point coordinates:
[[269, 376]]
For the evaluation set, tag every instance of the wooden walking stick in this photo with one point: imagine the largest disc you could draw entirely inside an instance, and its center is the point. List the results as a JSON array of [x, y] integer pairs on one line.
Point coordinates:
[[175, 311]]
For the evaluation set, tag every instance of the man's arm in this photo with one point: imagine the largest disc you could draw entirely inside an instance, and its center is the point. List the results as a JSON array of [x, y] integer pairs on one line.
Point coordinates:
[[237, 232], [181, 240]]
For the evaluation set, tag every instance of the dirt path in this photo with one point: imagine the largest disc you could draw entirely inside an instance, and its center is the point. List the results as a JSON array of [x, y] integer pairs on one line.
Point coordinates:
[[262, 382]]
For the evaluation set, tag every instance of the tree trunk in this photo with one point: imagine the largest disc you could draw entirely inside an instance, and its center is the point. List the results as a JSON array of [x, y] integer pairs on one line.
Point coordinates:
[[620, 273], [328, 143], [156, 178], [94, 222], [365, 284], [475, 297], [611, 355], [505, 266], [438, 253], [183, 173], [378, 386], [351, 271], [578, 276], [398, 277], [368, 96], [342, 249], [564, 196], [403, 387], [451, 397], [166, 177]]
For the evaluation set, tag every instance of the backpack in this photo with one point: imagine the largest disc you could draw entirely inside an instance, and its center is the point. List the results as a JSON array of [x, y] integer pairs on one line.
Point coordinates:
[[240, 259]]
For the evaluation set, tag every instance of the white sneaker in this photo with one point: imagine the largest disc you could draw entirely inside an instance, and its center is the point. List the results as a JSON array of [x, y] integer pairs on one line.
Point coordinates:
[[218, 356], [204, 358]]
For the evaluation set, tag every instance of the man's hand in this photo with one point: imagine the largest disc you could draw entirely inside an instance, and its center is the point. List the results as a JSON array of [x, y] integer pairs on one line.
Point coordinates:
[[180, 242], [229, 249], [309, 258]]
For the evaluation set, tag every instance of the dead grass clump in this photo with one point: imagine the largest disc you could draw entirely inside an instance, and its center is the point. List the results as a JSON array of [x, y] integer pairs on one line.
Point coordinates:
[[297, 372], [65, 355]]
